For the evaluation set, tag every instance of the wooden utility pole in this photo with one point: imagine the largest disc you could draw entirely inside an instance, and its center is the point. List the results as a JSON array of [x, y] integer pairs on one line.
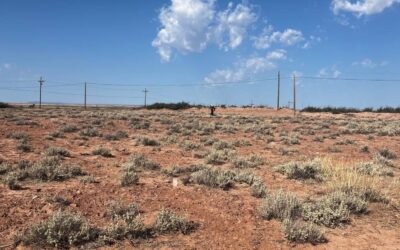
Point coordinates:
[[41, 81], [145, 97], [279, 90], [85, 95], [294, 94]]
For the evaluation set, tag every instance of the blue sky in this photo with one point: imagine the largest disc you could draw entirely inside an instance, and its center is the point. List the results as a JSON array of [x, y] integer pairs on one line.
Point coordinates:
[[189, 50]]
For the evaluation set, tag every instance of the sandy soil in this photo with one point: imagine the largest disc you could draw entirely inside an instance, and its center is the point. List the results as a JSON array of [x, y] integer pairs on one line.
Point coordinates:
[[228, 219]]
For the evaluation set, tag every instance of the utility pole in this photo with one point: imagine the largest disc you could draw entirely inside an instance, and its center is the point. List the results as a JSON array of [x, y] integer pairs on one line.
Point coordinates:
[[85, 95], [279, 90], [294, 94], [41, 81], [145, 97]]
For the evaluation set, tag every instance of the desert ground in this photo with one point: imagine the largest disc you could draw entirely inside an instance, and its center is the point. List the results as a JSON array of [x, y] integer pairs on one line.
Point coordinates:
[[247, 178]]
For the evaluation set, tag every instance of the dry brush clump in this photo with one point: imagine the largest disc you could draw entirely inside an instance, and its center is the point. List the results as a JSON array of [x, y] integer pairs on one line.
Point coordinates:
[[57, 151], [220, 156], [145, 141], [280, 205], [61, 230], [136, 163], [287, 208], [225, 179], [334, 209], [169, 222], [303, 232], [90, 132], [126, 222], [301, 170], [215, 178], [251, 161], [116, 136], [105, 152], [48, 168]]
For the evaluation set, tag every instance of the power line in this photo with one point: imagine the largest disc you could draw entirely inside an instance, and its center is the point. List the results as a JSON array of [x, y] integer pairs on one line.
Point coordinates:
[[348, 79]]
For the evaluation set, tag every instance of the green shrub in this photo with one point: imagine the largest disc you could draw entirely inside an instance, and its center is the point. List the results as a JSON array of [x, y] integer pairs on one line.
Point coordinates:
[[68, 129], [301, 232], [258, 190], [145, 141], [217, 157], [56, 134], [172, 106], [129, 178], [125, 212], [90, 132], [23, 146], [301, 170], [250, 162], [280, 205], [169, 222], [126, 222], [50, 169], [214, 178], [365, 149], [56, 151], [61, 230], [103, 152], [11, 180], [18, 136], [4, 168], [117, 136], [333, 209], [138, 162]]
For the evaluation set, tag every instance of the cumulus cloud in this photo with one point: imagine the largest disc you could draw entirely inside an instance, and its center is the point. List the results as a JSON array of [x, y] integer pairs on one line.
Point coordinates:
[[185, 27], [191, 25], [329, 72], [368, 63], [247, 68], [233, 24], [362, 7], [267, 37]]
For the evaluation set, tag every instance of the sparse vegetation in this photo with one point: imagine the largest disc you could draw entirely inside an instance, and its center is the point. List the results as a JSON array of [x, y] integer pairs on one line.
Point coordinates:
[[56, 151], [90, 132], [280, 205], [301, 232], [301, 170], [225, 166], [169, 222], [102, 152], [61, 230]]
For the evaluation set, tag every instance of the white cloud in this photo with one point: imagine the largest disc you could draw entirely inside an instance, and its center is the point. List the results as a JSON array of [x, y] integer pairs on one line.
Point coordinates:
[[263, 41], [368, 63], [185, 27], [247, 68], [329, 72], [233, 23], [278, 54], [288, 37], [362, 7], [267, 37], [191, 25]]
